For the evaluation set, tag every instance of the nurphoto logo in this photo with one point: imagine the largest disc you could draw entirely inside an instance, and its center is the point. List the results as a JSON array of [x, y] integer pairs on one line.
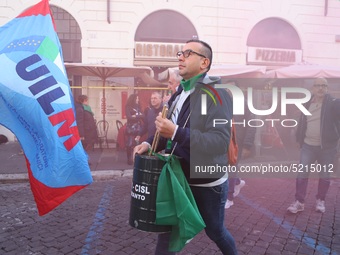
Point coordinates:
[[239, 104]]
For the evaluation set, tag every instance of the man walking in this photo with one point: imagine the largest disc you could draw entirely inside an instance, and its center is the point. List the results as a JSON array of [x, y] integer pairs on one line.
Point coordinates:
[[318, 135], [196, 140]]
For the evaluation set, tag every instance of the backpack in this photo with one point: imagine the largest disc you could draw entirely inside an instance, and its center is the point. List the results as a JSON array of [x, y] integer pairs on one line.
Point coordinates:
[[233, 147]]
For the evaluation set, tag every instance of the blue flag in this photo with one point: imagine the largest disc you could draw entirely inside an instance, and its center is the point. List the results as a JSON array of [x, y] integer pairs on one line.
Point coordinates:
[[36, 105]]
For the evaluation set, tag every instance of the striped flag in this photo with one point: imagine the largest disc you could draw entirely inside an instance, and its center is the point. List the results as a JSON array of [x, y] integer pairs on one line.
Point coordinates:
[[36, 105]]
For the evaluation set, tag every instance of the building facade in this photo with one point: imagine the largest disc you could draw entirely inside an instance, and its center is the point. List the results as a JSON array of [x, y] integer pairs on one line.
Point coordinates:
[[126, 32], [150, 32]]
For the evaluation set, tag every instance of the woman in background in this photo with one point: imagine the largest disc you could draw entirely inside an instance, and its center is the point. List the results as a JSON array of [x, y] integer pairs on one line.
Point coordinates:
[[134, 118], [86, 123]]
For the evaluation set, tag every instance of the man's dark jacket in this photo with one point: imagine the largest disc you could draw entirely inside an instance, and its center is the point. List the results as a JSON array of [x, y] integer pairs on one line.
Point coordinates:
[[199, 144], [330, 123], [150, 115]]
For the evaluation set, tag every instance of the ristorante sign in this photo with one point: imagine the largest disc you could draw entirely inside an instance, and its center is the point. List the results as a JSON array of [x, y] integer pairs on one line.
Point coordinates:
[[273, 56], [156, 52]]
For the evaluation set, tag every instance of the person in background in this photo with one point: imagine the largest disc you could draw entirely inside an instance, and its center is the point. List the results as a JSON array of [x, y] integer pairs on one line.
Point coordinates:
[[86, 122], [173, 83], [245, 137], [318, 135], [194, 139], [150, 114], [134, 125]]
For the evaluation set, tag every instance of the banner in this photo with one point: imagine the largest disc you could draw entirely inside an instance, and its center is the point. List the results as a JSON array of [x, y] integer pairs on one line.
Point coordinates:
[[36, 105]]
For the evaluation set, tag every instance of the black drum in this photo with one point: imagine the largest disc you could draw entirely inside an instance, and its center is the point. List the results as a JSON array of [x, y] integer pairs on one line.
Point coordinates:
[[143, 194]]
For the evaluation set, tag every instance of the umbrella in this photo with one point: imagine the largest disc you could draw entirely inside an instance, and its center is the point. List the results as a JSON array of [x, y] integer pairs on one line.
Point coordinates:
[[227, 71], [104, 71], [305, 71], [244, 75], [237, 71], [147, 79]]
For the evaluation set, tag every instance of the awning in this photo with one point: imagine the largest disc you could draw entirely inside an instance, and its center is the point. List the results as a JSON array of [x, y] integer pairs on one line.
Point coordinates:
[[305, 71]]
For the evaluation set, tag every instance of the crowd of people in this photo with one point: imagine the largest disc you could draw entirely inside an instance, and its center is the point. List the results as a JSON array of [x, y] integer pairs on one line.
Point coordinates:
[[142, 122]]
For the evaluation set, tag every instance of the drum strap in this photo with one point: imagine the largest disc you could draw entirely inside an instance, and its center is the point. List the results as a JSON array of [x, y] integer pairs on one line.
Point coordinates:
[[173, 106], [186, 121], [196, 94]]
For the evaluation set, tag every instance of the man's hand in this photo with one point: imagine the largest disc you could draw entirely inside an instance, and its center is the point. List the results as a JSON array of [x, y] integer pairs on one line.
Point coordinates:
[[164, 126], [140, 149]]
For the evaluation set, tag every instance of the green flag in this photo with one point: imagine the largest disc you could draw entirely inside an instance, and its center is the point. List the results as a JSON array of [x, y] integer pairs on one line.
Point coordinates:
[[176, 206]]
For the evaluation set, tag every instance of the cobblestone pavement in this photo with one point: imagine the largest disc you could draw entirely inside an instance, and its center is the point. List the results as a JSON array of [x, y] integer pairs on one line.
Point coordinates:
[[13, 161], [95, 221]]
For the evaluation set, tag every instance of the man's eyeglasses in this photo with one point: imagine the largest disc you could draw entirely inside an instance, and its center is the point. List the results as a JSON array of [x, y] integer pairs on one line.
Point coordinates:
[[321, 86], [187, 53]]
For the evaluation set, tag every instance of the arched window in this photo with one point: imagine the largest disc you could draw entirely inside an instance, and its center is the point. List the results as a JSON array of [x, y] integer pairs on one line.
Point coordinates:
[[69, 34], [274, 33], [158, 38], [165, 26]]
